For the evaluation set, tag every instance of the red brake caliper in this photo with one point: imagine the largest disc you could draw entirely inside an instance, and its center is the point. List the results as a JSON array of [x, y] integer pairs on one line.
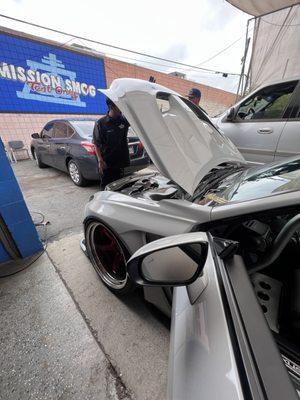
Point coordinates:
[[111, 247], [116, 262]]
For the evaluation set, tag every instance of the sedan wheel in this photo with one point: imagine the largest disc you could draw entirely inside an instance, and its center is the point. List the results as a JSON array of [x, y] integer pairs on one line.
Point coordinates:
[[75, 174], [108, 257]]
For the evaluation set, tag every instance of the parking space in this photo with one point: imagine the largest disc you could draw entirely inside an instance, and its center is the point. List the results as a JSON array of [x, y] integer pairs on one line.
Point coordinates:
[[133, 337]]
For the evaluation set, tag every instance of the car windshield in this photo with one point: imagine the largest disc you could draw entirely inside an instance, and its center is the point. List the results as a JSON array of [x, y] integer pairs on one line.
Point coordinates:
[[242, 186], [84, 128]]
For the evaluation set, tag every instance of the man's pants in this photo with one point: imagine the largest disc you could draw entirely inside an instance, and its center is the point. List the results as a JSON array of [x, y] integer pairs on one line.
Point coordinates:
[[110, 175]]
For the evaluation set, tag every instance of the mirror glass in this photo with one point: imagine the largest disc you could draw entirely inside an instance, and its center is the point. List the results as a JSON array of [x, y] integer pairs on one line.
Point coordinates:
[[174, 264]]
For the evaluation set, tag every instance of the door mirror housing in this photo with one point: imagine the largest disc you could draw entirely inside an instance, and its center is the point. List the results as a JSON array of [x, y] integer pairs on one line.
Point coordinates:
[[230, 114], [172, 261], [35, 136]]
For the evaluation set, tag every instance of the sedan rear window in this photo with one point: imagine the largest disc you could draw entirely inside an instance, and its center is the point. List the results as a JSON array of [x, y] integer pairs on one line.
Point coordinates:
[[84, 128]]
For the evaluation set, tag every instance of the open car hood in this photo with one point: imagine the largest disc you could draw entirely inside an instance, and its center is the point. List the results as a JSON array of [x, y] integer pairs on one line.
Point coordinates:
[[183, 146]]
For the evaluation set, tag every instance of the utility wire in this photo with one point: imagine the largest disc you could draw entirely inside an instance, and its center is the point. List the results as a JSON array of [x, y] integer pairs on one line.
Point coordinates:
[[113, 46], [221, 51], [152, 63], [67, 42]]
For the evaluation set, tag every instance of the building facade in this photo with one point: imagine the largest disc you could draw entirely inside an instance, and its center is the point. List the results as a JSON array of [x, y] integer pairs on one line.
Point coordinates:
[[43, 81]]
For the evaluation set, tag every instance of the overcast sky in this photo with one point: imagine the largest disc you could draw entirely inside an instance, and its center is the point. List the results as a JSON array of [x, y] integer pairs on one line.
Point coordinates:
[[189, 31]]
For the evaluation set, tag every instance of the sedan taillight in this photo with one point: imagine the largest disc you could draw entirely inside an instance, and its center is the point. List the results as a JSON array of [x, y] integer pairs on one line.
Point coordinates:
[[140, 146], [89, 147]]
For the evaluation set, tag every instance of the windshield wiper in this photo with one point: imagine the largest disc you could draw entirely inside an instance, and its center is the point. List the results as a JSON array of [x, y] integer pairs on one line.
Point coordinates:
[[213, 178]]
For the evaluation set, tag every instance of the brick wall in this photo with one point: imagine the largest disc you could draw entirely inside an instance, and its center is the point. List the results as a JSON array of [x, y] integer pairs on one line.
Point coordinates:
[[213, 100], [21, 126]]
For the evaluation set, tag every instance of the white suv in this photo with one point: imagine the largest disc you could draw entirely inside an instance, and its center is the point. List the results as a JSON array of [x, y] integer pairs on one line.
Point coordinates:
[[265, 125]]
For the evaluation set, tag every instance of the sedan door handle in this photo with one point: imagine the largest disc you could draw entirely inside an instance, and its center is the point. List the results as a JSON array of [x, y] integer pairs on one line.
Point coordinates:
[[265, 131]]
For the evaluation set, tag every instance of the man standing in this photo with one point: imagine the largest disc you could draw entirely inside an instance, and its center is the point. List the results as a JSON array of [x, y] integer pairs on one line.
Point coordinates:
[[194, 96], [110, 140]]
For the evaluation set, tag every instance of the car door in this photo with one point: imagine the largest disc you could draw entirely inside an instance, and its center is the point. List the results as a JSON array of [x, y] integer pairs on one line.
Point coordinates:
[[44, 144], [221, 345], [259, 121], [60, 144], [289, 141], [201, 350]]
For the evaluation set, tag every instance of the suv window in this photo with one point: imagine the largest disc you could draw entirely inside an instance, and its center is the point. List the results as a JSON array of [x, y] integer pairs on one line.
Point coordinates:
[[293, 110], [47, 132], [268, 103]]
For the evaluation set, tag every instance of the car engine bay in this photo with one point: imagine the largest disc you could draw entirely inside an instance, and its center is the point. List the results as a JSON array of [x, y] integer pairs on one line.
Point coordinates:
[[155, 187], [151, 186]]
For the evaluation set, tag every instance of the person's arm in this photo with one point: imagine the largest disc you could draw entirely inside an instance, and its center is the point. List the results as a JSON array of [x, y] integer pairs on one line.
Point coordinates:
[[97, 143], [101, 162]]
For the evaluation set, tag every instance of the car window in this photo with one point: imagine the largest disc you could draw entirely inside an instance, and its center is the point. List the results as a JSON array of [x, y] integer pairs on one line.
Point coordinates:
[[84, 128], [293, 111], [47, 132], [268, 103], [70, 131], [60, 130], [297, 114]]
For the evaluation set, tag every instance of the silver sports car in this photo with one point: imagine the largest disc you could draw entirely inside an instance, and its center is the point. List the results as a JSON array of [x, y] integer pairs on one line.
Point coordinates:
[[244, 291]]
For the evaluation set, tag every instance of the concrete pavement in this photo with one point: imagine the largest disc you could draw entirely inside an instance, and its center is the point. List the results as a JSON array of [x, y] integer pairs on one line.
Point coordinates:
[[47, 350], [54, 194], [134, 340], [63, 334]]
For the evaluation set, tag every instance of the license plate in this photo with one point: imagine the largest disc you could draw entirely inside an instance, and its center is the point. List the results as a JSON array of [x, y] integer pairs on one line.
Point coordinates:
[[131, 150]]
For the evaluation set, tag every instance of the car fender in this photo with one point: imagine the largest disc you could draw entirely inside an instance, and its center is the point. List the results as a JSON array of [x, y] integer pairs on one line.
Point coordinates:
[[129, 216]]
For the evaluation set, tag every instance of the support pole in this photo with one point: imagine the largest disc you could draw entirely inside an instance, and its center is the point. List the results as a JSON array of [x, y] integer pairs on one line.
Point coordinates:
[[240, 85]]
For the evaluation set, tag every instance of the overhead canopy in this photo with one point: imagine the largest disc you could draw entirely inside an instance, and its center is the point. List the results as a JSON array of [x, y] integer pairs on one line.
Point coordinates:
[[261, 7], [276, 47]]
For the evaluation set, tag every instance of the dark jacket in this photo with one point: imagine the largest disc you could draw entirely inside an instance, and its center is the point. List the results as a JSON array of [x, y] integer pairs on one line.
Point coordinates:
[[110, 136]]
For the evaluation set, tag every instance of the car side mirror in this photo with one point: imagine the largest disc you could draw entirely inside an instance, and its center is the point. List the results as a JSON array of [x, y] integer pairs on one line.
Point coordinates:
[[35, 136], [230, 114], [172, 261]]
